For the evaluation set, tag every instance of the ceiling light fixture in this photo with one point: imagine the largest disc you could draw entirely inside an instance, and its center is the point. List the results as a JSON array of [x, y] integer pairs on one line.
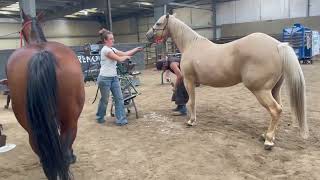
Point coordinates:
[[143, 3], [6, 12], [12, 7]]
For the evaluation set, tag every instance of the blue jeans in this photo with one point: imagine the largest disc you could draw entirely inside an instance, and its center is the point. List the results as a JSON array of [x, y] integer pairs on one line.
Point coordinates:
[[106, 84]]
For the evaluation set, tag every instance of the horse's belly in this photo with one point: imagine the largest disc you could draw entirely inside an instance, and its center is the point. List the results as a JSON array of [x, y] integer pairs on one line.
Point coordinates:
[[218, 82], [218, 78]]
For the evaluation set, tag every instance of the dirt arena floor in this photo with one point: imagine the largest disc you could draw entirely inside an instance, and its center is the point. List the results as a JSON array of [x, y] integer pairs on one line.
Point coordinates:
[[224, 144]]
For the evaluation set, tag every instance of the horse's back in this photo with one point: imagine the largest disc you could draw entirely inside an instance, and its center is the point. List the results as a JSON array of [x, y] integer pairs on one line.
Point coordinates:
[[247, 60], [69, 80]]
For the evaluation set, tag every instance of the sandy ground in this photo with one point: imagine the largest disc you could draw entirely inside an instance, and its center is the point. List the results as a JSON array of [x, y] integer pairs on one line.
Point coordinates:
[[223, 145]]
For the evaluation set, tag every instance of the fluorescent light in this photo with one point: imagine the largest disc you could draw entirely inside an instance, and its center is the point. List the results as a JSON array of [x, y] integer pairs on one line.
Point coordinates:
[[12, 7], [6, 12], [143, 3], [92, 10], [83, 12], [70, 16]]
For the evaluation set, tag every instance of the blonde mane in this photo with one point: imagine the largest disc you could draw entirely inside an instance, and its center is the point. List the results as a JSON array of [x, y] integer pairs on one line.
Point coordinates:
[[182, 34]]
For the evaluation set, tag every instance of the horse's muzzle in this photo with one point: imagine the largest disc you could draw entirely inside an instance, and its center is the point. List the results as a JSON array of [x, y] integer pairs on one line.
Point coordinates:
[[150, 37]]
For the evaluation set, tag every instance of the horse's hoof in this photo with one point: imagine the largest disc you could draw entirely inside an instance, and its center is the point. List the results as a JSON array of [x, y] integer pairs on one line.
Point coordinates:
[[190, 123], [262, 138], [268, 145], [72, 159]]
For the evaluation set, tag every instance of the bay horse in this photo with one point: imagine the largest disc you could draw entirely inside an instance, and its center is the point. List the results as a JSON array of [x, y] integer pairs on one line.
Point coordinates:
[[47, 90], [259, 61]]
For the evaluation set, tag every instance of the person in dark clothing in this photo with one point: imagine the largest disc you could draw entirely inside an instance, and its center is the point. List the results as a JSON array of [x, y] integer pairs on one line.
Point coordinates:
[[180, 94], [8, 99], [6, 92]]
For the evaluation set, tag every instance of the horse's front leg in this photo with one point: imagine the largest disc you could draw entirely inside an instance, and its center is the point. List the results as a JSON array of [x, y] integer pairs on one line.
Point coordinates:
[[190, 86]]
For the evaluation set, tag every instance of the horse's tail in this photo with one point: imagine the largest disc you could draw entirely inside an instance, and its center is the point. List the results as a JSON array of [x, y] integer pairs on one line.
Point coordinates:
[[42, 115], [296, 86]]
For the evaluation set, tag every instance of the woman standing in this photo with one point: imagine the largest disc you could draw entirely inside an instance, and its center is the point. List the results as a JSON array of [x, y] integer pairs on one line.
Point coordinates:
[[108, 79]]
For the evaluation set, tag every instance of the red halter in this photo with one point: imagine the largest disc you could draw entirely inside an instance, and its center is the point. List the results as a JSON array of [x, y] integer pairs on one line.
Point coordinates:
[[21, 35], [160, 39]]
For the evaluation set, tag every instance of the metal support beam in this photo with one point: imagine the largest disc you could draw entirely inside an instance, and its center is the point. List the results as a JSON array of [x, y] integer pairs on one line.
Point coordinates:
[[107, 13], [187, 5], [158, 3], [214, 20], [137, 27], [166, 43], [308, 8], [28, 6]]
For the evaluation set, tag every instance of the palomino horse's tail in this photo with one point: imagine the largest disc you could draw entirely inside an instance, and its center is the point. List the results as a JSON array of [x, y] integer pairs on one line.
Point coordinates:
[[296, 86], [42, 114]]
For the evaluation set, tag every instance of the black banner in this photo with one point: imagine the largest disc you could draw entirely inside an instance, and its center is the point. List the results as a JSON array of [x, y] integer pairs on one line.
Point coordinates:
[[90, 65]]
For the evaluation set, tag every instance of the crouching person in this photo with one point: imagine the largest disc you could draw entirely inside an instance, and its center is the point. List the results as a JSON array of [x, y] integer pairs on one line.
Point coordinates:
[[180, 94]]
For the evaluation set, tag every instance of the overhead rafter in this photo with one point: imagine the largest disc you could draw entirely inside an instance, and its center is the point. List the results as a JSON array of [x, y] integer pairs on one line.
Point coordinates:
[[187, 5], [120, 8]]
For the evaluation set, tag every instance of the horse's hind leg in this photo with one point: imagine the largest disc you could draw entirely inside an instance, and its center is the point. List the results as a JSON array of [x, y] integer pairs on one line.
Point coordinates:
[[266, 99], [33, 145], [190, 87], [68, 136], [276, 91]]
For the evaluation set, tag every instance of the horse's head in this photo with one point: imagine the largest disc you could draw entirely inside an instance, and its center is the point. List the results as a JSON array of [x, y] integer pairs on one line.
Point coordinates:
[[26, 29], [159, 32]]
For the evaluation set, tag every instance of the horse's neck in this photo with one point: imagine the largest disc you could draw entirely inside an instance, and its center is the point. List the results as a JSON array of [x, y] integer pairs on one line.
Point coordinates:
[[36, 34], [182, 35], [31, 39], [34, 38]]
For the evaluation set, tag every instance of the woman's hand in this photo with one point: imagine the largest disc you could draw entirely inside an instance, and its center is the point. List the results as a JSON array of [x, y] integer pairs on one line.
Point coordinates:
[[174, 88], [4, 81], [124, 58], [138, 49]]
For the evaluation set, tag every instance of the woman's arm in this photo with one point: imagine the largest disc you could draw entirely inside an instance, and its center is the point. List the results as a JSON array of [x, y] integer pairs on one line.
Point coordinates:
[[175, 67], [130, 52], [114, 56], [167, 75]]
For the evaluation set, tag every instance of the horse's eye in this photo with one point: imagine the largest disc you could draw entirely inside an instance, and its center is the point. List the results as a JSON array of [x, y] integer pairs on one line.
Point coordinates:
[[158, 24]]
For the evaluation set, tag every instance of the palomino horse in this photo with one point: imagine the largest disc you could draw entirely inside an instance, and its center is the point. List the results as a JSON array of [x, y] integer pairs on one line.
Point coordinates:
[[47, 90], [259, 61]]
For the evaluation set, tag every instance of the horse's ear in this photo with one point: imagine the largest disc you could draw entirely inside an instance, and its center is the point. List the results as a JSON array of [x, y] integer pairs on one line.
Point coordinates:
[[24, 16], [167, 16], [40, 16]]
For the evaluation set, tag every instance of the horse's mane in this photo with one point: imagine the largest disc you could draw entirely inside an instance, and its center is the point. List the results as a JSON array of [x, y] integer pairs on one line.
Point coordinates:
[[36, 31], [182, 34]]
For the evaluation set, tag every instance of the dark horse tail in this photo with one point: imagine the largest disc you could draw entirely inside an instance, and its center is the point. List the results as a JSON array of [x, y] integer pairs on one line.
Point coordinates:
[[42, 115]]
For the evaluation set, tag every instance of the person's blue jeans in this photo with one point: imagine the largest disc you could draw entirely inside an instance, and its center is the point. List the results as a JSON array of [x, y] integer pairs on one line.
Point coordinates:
[[106, 84]]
